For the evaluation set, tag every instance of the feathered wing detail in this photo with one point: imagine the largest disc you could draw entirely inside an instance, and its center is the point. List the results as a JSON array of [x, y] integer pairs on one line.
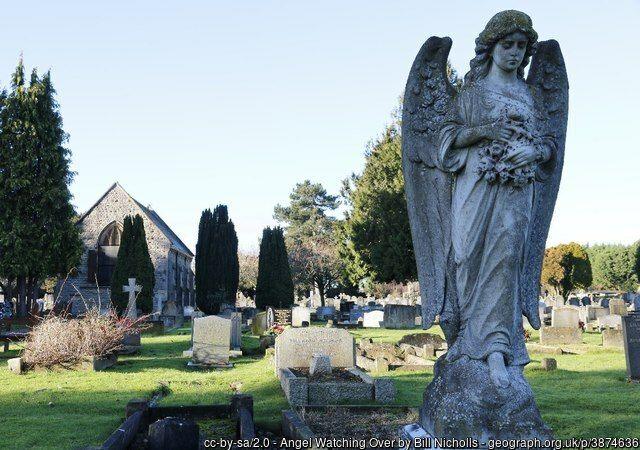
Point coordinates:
[[428, 95], [548, 78]]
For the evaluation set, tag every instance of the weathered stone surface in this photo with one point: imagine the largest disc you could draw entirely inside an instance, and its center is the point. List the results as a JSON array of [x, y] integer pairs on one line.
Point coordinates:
[[462, 402], [174, 433], [618, 306], [296, 389], [296, 346], [565, 317], [373, 319], [612, 338], [320, 364], [418, 361], [99, 363], [548, 349], [420, 339], [211, 340], [399, 316], [549, 364], [300, 315], [259, 323], [560, 336], [170, 257], [15, 365], [593, 312], [384, 390], [631, 334], [610, 321]]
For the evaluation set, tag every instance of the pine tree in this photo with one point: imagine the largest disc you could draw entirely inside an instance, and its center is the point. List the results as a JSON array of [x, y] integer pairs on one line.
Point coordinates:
[[133, 261], [38, 238], [218, 256], [275, 285], [375, 238]]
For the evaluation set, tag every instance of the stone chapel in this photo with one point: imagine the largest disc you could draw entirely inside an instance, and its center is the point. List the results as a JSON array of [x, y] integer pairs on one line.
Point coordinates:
[[100, 232]]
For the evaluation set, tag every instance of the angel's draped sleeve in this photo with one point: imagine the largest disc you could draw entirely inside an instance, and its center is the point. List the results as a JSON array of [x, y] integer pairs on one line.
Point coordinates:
[[458, 117]]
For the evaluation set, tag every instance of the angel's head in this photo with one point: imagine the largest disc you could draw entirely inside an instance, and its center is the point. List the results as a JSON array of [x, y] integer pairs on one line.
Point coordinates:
[[506, 41]]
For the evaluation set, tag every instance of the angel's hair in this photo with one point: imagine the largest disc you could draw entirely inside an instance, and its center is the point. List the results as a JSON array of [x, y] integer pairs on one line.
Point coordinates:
[[500, 25]]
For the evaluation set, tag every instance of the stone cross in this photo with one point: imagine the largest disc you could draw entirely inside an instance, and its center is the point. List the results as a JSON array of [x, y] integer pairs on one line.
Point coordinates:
[[132, 288]]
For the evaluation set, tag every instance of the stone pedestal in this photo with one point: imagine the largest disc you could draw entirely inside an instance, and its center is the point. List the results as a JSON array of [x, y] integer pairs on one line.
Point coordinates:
[[462, 402]]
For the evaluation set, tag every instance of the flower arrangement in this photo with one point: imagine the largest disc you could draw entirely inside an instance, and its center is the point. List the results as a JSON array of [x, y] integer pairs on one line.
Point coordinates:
[[275, 329], [494, 166]]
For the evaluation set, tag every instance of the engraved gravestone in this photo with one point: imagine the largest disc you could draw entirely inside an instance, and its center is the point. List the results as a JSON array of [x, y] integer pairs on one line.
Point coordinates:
[[565, 316], [631, 335], [211, 340], [282, 316], [617, 306], [295, 347]]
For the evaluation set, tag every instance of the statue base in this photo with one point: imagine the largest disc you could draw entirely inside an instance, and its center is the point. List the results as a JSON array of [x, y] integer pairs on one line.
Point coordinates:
[[461, 402]]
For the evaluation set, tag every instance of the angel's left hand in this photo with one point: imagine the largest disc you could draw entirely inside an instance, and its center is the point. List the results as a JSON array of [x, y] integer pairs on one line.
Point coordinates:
[[522, 155]]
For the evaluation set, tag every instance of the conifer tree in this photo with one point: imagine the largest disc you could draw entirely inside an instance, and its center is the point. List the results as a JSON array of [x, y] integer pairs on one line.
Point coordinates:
[[38, 238], [133, 261], [275, 285], [216, 260]]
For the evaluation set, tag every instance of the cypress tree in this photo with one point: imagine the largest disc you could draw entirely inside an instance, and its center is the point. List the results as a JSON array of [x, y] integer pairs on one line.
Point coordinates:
[[133, 261], [275, 284], [218, 248], [38, 237]]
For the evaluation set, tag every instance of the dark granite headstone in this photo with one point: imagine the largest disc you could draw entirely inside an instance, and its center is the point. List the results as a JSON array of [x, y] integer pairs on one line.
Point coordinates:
[[631, 336], [282, 316], [574, 301], [174, 433]]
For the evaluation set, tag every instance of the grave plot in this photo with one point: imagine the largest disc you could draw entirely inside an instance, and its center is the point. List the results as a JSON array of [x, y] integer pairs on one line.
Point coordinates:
[[413, 352], [148, 426], [347, 422], [316, 366]]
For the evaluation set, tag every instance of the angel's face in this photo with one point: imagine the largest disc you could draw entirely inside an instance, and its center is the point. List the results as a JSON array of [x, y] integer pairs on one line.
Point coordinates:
[[509, 51]]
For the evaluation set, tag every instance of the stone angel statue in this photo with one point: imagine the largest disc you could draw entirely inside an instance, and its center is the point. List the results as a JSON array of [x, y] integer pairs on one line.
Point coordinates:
[[482, 168]]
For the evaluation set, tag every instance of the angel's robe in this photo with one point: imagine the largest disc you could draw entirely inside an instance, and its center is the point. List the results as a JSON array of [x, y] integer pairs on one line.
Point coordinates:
[[489, 228]]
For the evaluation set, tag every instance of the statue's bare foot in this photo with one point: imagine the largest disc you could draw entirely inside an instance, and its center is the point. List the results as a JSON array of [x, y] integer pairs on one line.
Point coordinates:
[[497, 370]]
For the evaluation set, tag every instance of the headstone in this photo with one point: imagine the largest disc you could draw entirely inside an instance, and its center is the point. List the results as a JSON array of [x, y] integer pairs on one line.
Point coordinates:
[[631, 335], [259, 323], [295, 347], [299, 315], [282, 316], [635, 303], [585, 301], [325, 312], [211, 340], [171, 315], [610, 321], [373, 319], [320, 364], [173, 433], [612, 338], [399, 316], [236, 330], [565, 316], [133, 289], [618, 306], [270, 318], [549, 364], [594, 312], [560, 335], [574, 301]]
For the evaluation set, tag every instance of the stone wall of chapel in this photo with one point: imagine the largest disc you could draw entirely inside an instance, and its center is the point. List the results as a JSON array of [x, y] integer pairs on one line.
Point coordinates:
[[116, 205]]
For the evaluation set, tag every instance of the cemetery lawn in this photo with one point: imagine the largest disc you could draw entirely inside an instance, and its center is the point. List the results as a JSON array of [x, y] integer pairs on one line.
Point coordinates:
[[586, 397]]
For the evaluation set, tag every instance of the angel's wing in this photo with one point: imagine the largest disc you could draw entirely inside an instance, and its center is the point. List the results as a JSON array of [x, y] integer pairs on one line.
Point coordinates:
[[427, 98], [548, 77]]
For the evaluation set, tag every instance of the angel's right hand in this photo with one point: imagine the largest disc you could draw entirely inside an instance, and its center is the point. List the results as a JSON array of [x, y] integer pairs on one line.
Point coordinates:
[[498, 131]]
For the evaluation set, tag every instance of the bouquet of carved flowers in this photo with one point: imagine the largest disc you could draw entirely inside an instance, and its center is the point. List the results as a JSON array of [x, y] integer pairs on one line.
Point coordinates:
[[495, 167]]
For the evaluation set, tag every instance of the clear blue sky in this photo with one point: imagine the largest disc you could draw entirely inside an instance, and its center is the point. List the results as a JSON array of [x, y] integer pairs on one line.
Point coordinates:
[[190, 104]]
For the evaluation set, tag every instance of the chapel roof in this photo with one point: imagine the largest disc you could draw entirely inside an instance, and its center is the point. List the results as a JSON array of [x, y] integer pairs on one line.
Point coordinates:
[[153, 216]]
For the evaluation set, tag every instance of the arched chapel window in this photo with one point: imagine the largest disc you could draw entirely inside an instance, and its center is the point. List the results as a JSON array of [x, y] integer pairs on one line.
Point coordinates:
[[102, 261]]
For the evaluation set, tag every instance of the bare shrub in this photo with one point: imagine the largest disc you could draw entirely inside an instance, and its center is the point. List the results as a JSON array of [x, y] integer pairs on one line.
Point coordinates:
[[65, 341]]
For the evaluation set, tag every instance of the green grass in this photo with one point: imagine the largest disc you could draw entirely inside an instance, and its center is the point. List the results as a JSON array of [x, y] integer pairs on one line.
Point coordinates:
[[586, 397]]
